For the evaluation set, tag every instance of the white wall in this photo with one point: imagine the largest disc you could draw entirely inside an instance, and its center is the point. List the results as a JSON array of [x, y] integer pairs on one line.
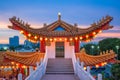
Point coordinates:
[[67, 50], [51, 50]]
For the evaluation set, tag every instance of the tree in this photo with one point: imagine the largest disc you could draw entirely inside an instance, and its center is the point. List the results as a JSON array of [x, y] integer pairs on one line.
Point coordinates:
[[110, 44], [91, 49], [115, 70]]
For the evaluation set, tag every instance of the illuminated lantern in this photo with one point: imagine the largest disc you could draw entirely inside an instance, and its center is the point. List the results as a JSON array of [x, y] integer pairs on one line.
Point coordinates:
[[71, 39], [46, 39], [12, 63], [97, 66], [21, 32], [50, 39], [41, 38], [2, 67], [81, 38], [102, 64], [65, 39], [35, 37], [29, 35], [85, 68], [100, 31], [94, 33], [76, 38], [60, 39], [87, 36], [105, 63], [55, 39]]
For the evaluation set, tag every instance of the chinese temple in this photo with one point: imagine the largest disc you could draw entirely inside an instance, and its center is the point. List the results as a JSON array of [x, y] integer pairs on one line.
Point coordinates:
[[59, 40], [59, 35]]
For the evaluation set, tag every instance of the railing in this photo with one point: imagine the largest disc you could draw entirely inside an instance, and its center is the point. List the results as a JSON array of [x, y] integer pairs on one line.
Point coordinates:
[[78, 69], [40, 71]]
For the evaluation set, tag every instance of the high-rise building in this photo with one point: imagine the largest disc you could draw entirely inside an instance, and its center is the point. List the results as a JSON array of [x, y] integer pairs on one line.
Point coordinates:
[[14, 41]]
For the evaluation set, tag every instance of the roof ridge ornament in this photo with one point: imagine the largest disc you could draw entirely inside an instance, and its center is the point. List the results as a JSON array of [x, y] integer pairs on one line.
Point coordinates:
[[59, 16]]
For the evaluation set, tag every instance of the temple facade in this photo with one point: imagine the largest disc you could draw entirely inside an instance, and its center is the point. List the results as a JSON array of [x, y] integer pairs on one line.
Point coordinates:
[[59, 37]]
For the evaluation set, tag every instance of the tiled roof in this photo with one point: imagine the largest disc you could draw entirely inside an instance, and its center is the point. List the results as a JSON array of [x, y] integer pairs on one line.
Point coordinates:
[[70, 30], [90, 60], [29, 60]]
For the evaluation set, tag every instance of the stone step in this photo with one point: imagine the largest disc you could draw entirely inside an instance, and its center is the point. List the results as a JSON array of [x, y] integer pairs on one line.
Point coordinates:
[[52, 72], [60, 77]]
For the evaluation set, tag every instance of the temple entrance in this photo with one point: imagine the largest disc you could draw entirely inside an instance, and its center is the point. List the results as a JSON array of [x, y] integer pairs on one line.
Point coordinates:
[[59, 48]]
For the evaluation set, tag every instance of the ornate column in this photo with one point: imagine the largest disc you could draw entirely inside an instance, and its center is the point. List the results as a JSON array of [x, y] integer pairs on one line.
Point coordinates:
[[77, 46], [42, 46]]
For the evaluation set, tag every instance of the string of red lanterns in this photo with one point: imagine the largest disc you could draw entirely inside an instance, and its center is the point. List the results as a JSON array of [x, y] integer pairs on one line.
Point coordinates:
[[35, 38]]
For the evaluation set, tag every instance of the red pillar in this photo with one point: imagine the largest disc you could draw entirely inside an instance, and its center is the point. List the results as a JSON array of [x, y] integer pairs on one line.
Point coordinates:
[[42, 46], [77, 46]]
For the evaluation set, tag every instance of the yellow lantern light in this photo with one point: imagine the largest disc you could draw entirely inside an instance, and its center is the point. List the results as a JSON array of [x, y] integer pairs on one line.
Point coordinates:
[[100, 31], [13, 67], [50, 39], [102, 64], [2, 67], [55, 39], [97, 66], [41, 38], [23, 66], [76, 38], [94, 33], [17, 64], [81, 38], [85, 68], [29, 35], [60, 39], [21, 32], [46, 39], [35, 37], [105, 63], [71, 39], [87, 36], [65, 39], [12, 63]]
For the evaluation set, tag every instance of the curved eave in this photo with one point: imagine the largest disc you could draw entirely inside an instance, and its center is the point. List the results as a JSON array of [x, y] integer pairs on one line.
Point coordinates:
[[28, 60], [90, 60], [71, 30]]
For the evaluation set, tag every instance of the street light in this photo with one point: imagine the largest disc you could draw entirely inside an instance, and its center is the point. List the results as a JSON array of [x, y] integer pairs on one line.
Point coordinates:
[[92, 48], [117, 47], [98, 47]]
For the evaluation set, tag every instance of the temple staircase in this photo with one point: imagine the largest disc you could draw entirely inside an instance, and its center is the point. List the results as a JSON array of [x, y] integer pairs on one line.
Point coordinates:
[[59, 69]]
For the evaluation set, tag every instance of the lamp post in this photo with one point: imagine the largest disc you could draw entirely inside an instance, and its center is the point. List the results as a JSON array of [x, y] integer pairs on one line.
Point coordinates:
[[117, 47], [92, 48], [98, 47]]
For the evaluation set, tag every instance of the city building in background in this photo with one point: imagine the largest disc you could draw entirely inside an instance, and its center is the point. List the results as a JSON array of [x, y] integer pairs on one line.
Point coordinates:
[[14, 41]]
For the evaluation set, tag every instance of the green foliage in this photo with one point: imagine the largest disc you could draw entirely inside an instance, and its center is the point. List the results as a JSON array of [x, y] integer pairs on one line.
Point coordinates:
[[116, 71], [110, 44], [93, 51]]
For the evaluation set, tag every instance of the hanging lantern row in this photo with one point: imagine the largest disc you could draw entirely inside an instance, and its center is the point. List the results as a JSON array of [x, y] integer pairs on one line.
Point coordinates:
[[34, 38], [101, 64], [97, 65]]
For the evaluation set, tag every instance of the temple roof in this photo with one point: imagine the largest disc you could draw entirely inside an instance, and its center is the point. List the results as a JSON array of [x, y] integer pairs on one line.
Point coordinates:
[[32, 58], [69, 30], [90, 60], [24, 58]]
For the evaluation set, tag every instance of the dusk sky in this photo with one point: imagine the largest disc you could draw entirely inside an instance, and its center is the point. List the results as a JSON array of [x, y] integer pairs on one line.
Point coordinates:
[[37, 12]]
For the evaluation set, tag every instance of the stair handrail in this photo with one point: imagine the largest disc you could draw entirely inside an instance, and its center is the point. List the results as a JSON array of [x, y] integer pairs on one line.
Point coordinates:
[[79, 71], [40, 71]]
